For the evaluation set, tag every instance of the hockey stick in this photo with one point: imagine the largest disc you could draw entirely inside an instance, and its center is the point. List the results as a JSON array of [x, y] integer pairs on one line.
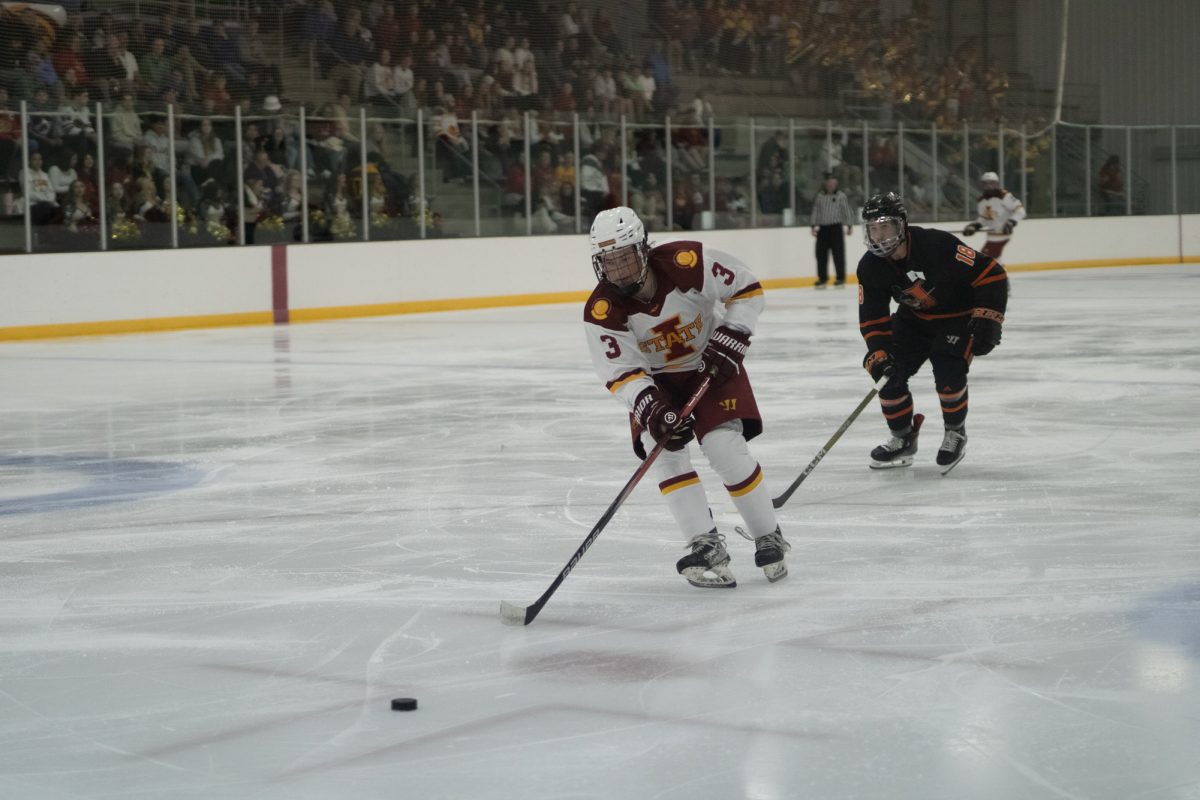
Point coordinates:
[[523, 615], [778, 502]]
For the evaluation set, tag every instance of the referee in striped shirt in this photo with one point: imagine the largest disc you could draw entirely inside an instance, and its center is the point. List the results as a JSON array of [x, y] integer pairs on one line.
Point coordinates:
[[831, 212]]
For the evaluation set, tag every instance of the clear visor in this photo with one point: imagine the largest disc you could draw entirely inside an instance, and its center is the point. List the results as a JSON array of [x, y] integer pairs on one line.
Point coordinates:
[[621, 267]]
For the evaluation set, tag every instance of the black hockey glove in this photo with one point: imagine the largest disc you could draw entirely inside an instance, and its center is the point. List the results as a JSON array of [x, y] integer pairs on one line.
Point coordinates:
[[654, 412], [1008, 226], [971, 229], [723, 356], [985, 330], [879, 363]]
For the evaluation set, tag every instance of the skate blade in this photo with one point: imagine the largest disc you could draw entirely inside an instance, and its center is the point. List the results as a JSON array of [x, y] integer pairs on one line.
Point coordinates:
[[718, 577], [776, 571], [906, 461]]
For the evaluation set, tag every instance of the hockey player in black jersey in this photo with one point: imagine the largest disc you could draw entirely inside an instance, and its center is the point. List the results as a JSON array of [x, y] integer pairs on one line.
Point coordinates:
[[951, 302]]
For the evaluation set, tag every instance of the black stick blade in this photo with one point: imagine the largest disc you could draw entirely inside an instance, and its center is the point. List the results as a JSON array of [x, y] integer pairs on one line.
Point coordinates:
[[513, 615]]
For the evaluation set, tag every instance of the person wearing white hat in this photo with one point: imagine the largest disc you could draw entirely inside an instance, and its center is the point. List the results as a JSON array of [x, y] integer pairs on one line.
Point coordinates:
[[998, 212], [271, 104]]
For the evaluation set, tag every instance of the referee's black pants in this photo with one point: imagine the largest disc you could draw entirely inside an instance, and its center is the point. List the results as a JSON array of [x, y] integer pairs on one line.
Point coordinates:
[[830, 239]]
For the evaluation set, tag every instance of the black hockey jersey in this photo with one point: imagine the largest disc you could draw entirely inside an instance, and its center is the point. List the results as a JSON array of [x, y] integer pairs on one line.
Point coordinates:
[[939, 278]]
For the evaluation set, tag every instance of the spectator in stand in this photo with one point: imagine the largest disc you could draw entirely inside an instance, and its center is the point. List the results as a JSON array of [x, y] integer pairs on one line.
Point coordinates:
[[41, 66], [505, 62], [147, 204], [568, 23], [453, 150], [10, 136], [604, 90], [593, 184], [77, 209], [648, 86], [226, 52], [63, 173], [565, 101], [380, 84], [605, 34], [773, 196], [404, 84], [252, 54], [119, 54], [87, 176], [206, 155], [144, 167], [217, 92], [70, 58], [125, 127], [76, 121], [40, 195], [349, 52], [490, 97], [191, 73], [291, 203], [264, 171], [387, 30], [155, 68], [525, 87], [773, 153]]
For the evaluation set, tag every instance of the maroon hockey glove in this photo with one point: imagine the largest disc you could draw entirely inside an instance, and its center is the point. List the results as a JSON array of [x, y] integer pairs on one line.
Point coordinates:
[[723, 356], [654, 412], [985, 330], [879, 363]]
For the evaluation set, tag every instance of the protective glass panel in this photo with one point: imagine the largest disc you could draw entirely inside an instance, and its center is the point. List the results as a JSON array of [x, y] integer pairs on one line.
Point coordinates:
[[1037, 187], [60, 188], [1187, 167], [956, 195], [1145, 175], [918, 173], [733, 165], [1072, 171], [772, 189], [690, 190], [648, 174]]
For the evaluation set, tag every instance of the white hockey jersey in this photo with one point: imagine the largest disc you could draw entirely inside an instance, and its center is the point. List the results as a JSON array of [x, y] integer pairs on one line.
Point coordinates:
[[994, 211], [698, 290]]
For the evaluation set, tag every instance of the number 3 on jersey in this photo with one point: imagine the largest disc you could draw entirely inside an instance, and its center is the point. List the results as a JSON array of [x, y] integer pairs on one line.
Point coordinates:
[[614, 349], [721, 273]]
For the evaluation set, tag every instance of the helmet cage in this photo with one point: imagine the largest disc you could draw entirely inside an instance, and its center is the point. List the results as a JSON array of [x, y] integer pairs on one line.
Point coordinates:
[[623, 267], [888, 240]]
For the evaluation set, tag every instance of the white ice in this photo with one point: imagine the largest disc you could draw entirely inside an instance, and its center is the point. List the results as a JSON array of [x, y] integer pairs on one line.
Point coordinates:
[[222, 552]]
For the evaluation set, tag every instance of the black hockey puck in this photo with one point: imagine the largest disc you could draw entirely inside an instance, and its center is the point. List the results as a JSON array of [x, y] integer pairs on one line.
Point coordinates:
[[404, 704]]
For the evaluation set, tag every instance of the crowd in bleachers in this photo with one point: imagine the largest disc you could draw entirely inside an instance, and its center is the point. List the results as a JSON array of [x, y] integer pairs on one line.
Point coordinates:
[[450, 58]]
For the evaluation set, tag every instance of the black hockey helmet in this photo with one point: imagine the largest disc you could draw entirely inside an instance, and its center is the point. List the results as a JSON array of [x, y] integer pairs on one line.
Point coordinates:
[[885, 220]]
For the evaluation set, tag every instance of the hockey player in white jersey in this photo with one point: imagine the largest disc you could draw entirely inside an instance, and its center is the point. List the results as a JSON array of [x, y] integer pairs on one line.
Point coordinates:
[[654, 331], [998, 212]]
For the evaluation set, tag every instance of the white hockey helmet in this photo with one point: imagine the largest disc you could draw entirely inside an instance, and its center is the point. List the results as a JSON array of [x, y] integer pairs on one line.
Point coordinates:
[[990, 177], [620, 251]]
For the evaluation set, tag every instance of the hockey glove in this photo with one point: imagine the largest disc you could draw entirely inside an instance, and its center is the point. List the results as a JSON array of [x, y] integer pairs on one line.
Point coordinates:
[[985, 330], [1008, 226], [879, 363], [654, 412], [971, 229], [723, 356]]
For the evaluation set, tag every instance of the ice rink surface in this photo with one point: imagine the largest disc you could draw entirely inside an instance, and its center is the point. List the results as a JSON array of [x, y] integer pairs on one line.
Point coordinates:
[[222, 552]]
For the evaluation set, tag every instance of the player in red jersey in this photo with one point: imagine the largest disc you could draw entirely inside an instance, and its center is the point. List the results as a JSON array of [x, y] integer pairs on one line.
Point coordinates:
[[951, 308], [654, 332]]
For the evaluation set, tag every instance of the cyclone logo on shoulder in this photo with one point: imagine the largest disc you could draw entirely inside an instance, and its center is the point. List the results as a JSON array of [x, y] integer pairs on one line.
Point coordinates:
[[600, 309], [686, 258]]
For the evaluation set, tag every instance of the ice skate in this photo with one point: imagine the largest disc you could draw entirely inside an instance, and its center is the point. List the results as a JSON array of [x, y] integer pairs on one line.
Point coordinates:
[[954, 447], [898, 451], [768, 553], [707, 566]]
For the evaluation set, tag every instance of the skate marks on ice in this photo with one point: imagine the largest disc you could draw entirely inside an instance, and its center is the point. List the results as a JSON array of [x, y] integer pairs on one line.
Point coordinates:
[[1021, 629]]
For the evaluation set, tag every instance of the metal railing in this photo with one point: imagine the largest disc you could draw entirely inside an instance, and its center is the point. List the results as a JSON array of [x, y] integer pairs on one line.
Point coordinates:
[[361, 177]]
